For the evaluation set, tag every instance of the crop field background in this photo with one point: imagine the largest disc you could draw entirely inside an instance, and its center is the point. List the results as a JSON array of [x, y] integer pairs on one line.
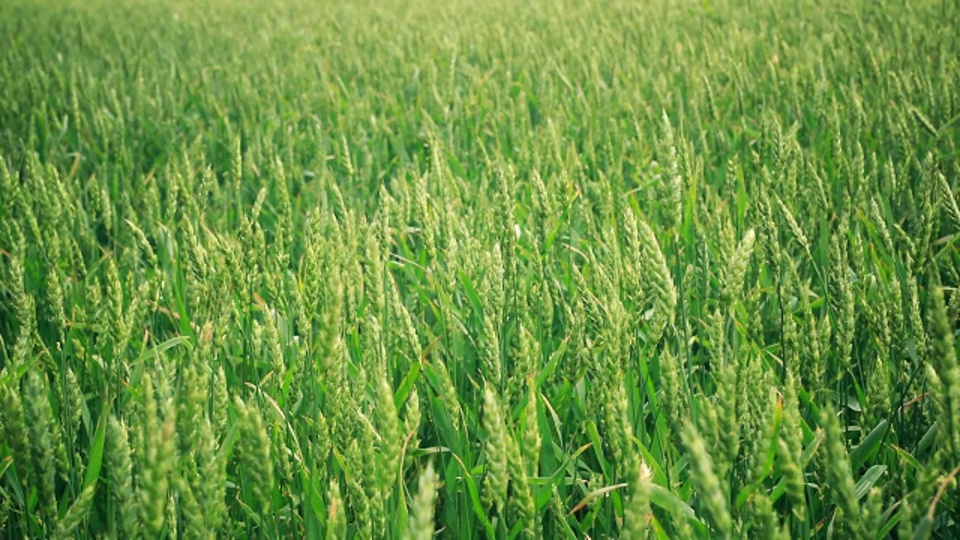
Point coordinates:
[[540, 269]]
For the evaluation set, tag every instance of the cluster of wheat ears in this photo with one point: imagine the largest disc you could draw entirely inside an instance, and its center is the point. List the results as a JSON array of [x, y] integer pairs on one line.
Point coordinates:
[[543, 269]]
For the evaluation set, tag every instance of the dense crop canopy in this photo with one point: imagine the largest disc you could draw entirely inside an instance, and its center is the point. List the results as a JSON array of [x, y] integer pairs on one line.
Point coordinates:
[[552, 268]]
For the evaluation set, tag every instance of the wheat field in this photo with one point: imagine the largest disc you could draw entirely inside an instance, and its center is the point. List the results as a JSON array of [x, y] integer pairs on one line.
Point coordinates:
[[541, 269]]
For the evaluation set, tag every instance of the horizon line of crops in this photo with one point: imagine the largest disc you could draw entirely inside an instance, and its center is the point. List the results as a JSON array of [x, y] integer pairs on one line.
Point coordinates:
[[559, 269]]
